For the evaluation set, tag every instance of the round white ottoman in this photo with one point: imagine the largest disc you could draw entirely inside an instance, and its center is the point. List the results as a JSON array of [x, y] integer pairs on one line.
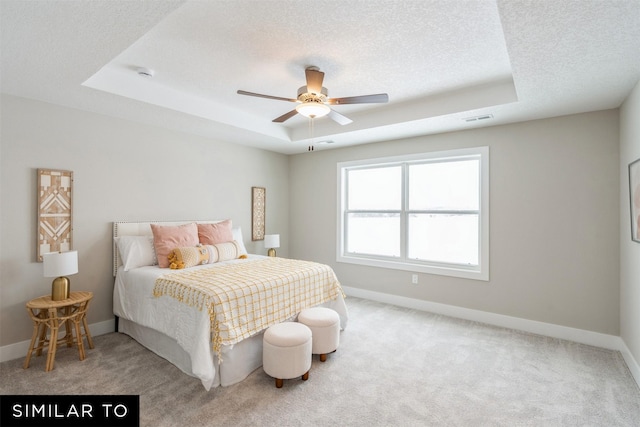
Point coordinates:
[[325, 329], [286, 351]]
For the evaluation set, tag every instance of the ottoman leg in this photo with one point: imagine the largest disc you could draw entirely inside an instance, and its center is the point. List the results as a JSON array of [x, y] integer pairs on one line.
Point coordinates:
[[323, 357], [305, 376], [279, 382]]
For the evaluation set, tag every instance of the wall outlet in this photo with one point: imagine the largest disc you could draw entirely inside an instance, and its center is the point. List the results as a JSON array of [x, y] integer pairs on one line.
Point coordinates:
[[414, 279]]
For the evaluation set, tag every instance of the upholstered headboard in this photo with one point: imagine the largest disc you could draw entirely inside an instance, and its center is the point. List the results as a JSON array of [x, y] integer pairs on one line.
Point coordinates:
[[140, 228]]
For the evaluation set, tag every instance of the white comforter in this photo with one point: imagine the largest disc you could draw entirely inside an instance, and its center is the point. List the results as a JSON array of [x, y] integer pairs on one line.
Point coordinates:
[[133, 300]]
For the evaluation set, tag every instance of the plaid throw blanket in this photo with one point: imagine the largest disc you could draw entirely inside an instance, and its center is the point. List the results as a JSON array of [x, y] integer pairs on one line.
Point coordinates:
[[245, 298]]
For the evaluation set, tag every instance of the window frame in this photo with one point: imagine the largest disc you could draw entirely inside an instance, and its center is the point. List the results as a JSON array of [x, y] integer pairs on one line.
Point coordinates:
[[479, 272]]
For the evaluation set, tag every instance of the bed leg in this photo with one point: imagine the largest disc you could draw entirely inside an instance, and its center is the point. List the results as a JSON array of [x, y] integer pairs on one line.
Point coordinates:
[[116, 323]]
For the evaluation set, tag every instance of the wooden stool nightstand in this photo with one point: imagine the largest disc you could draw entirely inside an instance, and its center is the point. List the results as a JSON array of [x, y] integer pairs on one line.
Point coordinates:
[[50, 314]]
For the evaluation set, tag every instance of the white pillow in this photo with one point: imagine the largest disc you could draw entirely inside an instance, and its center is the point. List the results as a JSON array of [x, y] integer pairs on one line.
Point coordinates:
[[237, 236], [136, 251]]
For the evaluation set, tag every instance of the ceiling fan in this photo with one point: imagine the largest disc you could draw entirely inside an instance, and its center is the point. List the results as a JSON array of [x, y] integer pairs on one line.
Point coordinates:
[[313, 101]]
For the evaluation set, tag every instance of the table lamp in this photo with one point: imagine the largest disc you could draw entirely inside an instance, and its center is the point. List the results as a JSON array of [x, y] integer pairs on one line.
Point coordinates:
[[271, 241], [58, 265]]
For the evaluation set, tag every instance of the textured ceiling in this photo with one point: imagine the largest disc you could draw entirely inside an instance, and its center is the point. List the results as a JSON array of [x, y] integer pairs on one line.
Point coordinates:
[[440, 62]]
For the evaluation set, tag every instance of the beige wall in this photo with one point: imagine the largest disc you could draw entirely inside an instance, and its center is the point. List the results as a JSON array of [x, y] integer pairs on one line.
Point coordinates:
[[629, 250], [555, 197], [122, 171], [554, 226]]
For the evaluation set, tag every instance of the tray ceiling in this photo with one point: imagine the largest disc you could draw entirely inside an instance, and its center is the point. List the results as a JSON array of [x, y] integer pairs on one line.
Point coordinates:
[[443, 63]]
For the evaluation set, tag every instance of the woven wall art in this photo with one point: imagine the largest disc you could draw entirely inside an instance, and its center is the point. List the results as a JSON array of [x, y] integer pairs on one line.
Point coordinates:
[[55, 220], [258, 209]]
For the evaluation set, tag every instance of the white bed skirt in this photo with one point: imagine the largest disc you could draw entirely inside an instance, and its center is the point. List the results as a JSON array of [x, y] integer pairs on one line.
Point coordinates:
[[239, 360]]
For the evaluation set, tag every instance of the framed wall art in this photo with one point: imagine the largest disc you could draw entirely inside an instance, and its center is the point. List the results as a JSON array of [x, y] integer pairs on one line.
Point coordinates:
[[258, 209], [55, 206], [634, 199]]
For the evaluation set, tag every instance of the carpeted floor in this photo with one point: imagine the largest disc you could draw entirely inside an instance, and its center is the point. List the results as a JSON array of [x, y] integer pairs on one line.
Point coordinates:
[[394, 367]]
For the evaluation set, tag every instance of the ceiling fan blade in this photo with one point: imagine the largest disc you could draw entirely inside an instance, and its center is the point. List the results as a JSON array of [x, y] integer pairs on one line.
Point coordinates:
[[339, 118], [379, 98], [259, 95], [286, 116], [314, 80]]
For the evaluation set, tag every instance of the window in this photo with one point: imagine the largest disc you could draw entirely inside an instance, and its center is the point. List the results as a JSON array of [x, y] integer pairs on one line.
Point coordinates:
[[425, 213]]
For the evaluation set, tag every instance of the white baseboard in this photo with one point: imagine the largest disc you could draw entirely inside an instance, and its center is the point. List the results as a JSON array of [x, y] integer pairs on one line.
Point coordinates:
[[633, 365], [19, 349], [582, 336]]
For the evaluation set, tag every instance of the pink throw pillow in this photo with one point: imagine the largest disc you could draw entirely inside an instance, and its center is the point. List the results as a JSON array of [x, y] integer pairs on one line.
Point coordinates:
[[212, 234], [168, 237]]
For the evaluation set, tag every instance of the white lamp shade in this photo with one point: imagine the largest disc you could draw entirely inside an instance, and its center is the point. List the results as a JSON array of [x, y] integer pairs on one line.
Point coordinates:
[[271, 241], [58, 264]]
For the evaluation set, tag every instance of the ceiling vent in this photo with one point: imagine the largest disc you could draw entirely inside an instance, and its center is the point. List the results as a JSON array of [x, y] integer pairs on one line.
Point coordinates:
[[145, 72], [478, 118]]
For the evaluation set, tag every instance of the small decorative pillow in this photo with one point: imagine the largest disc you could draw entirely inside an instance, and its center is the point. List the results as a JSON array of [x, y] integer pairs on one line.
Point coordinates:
[[186, 257], [167, 237], [189, 256], [136, 251], [226, 251], [212, 234]]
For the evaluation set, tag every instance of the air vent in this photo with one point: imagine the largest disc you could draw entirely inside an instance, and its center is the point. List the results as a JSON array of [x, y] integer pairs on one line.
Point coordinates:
[[145, 72], [478, 118]]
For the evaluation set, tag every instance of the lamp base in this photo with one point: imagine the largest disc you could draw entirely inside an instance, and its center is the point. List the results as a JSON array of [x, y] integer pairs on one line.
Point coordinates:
[[60, 288], [271, 252]]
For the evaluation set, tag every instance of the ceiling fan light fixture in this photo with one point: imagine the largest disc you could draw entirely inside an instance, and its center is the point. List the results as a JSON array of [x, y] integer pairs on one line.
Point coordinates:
[[313, 110], [313, 101]]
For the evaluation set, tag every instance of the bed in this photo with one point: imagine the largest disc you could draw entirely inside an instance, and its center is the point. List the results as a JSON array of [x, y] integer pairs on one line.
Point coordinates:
[[158, 308]]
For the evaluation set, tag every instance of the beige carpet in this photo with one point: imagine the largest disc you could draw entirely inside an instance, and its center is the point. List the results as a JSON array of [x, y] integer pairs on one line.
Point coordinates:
[[394, 367]]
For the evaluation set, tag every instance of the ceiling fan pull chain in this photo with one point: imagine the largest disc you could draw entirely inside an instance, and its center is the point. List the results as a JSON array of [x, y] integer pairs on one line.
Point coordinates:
[[311, 132]]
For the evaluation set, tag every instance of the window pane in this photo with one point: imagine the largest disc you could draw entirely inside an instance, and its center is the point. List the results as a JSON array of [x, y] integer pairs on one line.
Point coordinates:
[[373, 234], [444, 238], [445, 186], [375, 189]]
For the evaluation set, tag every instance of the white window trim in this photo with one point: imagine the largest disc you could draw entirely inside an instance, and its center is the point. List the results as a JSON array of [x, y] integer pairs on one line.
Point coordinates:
[[481, 272]]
